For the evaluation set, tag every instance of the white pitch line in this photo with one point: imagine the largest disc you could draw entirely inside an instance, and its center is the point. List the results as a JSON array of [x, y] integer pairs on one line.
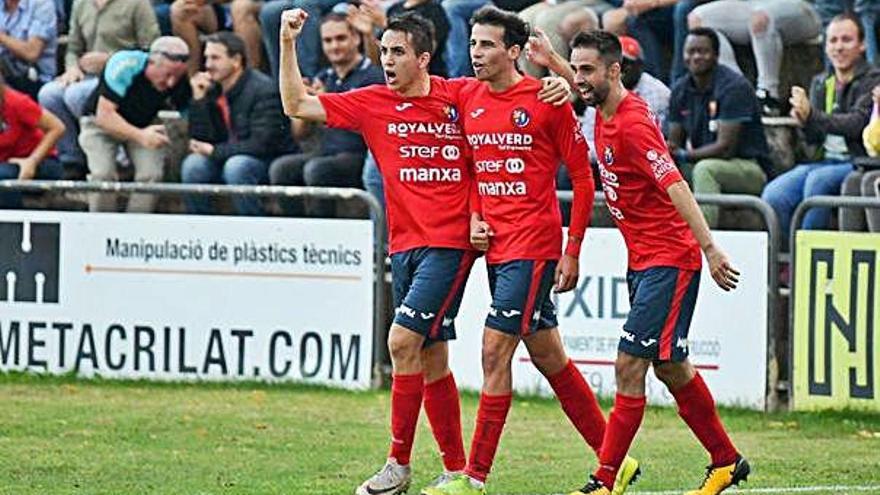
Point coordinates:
[[837, 489]]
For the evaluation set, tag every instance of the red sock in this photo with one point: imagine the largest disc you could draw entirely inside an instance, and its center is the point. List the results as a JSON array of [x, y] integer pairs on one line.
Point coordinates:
[[444, 413], [697, 408], [623, 423], [490, 423], [406, 401], [579, 404]]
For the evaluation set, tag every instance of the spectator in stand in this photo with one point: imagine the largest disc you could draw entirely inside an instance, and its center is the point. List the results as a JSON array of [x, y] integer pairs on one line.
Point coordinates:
[[191, 17], [458, 13], [834, 116], [28, 134], [868, 11], [236, 124], [28, 42], [862, 182], [767, 25], [340, 161], [309, 43], [125, 24], [560, 21], [133, 87], [715, 124]]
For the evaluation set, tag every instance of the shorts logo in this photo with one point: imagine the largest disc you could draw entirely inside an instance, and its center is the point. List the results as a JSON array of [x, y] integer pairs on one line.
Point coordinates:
[[446, 321], [681, 343], [406, 310], [450, 152], [520, 117], [648, 343], [451, 113], [426, 316], [608, 155], [510, 313], [29, 262], [628, 336]]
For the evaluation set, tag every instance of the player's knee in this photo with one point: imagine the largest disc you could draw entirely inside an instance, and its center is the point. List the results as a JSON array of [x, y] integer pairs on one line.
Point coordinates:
[[673, 375], [759, 22], [403, 349], [494, 360], [694, 21], [548, 361], [630, 373]]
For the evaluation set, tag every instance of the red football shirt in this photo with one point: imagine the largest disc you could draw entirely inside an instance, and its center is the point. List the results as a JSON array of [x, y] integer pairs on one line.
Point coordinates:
[[517, 144], [636, 169], [420, 149], [19, 134]]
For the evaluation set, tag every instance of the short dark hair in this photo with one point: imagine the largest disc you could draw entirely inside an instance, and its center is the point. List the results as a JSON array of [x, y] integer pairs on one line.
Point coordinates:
[[850, 16], [420, 30], [233, 43], [708, 33], [516, 30], [337, 17], [607, 44]]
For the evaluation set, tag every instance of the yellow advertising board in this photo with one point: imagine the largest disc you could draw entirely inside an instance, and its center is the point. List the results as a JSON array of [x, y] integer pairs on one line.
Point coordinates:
[[836, 321]]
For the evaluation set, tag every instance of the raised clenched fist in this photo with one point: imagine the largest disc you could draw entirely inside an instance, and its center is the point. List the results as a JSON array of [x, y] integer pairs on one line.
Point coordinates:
[[292, 23]]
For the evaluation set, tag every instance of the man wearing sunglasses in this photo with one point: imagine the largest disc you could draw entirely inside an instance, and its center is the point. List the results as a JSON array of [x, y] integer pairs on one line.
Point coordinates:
[[134, 86]]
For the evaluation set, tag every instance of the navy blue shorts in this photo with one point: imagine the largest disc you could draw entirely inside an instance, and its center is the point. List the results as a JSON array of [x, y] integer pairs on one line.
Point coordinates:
[[427, 285], [521, 301], [662, 301]]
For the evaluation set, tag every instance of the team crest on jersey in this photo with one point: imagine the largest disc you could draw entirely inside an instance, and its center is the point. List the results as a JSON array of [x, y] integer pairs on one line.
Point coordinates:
[[451, 113], [520, 117], [608, 155]]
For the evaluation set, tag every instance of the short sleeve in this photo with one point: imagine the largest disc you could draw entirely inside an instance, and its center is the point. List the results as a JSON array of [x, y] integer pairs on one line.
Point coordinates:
[[347, 110], [120, 73], [27, 111], [43, 23], [649, 154]]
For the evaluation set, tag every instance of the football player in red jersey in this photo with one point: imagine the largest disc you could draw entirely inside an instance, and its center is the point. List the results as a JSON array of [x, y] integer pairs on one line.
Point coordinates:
[[411, 124], [664, 231], [517, 143]]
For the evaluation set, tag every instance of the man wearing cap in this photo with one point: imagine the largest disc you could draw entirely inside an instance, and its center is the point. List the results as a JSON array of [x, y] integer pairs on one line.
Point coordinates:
[[715, 125], [134, 86]]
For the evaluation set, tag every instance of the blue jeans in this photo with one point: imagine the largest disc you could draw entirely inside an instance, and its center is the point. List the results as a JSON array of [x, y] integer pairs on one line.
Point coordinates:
[[238, 169], [49, 169], [68, 104], [680, 30], [372, 179], [308, 45], [459, 12], [786, 192]]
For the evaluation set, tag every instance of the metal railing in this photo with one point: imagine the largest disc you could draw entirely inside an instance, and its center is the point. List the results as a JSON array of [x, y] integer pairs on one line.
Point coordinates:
[[377, 215], [802, 209], [771, 222]]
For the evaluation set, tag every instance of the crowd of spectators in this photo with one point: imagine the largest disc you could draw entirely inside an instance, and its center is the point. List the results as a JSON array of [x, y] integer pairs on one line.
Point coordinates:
[[87, 78]]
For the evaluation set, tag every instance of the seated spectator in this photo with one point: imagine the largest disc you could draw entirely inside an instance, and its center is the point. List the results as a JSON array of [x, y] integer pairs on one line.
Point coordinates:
[[835, 114], [28, 42], [868, 11], [560, 21], [125, 25], [652, 23], [308, 44], [864, 182], [189, 18], [340, 161], [715, 124], [133, 87], [28, 134], [767, 25], [236, 123]]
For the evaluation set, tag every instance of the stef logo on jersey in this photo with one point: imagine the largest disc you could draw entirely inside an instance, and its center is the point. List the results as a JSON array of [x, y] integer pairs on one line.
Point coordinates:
[[608, 155], [520, 117], [451, 113]]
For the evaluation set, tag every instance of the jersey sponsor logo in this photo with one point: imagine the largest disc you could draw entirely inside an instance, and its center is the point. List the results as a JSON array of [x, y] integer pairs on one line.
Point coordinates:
[[403, 106], [451, 113], [661, 164], [608, 155], [610, 183], [502, 188], [429, 174], [439, 129], [520, 117], [450, 152], [476, 113], [515, 165], [578, 129], [489, 166], [503, 140]]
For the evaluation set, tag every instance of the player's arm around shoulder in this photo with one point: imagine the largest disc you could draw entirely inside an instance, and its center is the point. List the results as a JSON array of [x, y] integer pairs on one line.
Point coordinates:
[[720, 268]]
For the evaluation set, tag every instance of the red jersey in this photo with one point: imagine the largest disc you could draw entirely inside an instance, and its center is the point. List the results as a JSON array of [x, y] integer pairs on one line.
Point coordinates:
[[636, 170], [517, 143], [420, 149], [19, 134]]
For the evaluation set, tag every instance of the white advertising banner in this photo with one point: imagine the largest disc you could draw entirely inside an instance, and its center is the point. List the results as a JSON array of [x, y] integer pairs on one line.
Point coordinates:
[[187, 297], [728, 334]]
